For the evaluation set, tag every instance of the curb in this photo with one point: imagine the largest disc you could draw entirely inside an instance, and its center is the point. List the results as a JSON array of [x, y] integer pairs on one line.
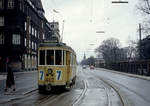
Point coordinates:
[[5, 73], [18, 96]]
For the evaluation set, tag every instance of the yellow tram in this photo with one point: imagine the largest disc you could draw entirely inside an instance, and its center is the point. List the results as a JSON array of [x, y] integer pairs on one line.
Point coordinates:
[[56, 66]]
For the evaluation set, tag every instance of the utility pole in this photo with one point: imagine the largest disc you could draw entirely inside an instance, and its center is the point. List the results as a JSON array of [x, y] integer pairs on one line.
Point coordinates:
[[140, 35]]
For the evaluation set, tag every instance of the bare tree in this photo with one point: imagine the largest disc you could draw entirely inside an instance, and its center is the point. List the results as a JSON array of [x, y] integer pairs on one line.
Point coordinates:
[[144, 8], [132, 51], [110, 50]]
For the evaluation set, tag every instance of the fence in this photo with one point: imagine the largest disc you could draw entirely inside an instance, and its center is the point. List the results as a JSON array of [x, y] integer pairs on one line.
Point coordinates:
[[136, 67]]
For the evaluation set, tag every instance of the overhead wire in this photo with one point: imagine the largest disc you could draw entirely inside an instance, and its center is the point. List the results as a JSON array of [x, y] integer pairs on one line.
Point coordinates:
[[91, 10]]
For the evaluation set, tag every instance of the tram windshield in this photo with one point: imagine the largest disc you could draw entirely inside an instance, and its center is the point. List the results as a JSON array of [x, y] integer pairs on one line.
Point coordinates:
[[58, 57], [51, 57]]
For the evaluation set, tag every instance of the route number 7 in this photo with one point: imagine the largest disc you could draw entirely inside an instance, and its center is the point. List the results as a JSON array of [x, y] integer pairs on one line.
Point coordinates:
[[41, 75], [58, 75]]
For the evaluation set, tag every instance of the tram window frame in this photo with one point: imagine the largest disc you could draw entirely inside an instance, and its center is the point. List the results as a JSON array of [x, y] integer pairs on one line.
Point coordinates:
[[71, 59], [43, 57], [64, 57], [50, 57]]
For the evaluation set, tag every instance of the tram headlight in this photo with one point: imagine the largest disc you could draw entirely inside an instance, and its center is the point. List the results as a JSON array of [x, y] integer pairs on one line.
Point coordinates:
[[50, 71]]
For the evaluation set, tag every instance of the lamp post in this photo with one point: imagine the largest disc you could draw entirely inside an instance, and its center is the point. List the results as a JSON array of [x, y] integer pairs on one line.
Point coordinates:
[[100, 32], [120, 1]]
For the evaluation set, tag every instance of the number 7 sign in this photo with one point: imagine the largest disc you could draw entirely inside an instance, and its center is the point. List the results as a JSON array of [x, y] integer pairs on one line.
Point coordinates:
[[58, 75]]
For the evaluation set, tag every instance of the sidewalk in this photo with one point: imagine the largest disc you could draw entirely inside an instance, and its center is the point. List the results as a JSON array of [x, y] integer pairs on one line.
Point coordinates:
[[127, 74], [2, 77], [26, 82]]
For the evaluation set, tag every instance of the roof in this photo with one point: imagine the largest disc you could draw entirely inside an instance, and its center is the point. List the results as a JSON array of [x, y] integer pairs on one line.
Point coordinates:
[[62, 45], [38, 4]]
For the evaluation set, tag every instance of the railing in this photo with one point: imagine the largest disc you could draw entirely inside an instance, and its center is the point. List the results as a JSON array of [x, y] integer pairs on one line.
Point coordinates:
[[136, 67]]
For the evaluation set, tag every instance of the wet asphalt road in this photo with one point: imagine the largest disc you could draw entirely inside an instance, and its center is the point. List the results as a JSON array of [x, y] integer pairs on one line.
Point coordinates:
[[88, 91], [135, 89]]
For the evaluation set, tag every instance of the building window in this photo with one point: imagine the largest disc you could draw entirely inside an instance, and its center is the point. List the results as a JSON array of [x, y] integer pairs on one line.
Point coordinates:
[[32, 45], [1, 21], [16, 39], [1, 38], [10, 4], [35, 46], [43, 36], [20, 5], [35, 33], [25, 61], [1, 4], [25, 42], [35, 62], [42, 25], [32, 30], [25, 26], [29, 62], [23, 7], [29, 29], [38, 34], [29, 43]]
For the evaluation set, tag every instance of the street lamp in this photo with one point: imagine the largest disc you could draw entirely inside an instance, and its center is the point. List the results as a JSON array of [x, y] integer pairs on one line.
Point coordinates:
[[100, 32], [120, 1]]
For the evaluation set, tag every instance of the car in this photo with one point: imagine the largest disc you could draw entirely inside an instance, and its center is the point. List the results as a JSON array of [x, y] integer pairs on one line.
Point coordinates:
[[91, 67], [84, 67]]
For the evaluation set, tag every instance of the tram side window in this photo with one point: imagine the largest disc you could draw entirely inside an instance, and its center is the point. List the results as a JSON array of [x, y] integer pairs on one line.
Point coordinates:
[[50, 57], [42, 57], [58, 57]]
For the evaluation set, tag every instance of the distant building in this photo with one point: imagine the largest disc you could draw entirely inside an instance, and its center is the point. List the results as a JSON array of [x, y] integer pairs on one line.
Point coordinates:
[[22, 27], [99, 62], [145, 48], [55, 33]]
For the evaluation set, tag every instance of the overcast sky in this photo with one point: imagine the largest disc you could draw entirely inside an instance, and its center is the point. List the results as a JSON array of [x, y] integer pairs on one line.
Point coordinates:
[[84, 17]]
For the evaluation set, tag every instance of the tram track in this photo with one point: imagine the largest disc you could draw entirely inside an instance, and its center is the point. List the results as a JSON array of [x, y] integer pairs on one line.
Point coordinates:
[[108, 97], [122, 98], [76, 102], [109, 87], [45, 99]]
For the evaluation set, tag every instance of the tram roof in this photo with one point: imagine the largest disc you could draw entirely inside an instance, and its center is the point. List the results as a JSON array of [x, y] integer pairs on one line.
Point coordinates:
[[52, 44]]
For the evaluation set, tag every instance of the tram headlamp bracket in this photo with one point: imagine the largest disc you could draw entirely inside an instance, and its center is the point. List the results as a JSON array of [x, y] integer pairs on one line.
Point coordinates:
[[49, 71]]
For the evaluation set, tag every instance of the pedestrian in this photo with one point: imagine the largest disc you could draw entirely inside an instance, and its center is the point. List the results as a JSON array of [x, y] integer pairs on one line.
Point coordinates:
[[10, 82]]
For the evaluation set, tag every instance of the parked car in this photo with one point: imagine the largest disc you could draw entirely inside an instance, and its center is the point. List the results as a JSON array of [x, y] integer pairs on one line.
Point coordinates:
[[91, 67], [84, 67]]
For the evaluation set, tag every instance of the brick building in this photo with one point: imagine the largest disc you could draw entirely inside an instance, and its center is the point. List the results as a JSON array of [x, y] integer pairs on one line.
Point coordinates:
[[22, 27]]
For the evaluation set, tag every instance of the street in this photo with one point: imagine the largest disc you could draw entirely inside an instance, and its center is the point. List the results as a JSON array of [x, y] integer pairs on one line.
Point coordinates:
[[94, 87]]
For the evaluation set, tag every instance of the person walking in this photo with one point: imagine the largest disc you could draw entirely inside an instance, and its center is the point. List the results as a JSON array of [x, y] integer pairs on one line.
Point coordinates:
[[10, 82]]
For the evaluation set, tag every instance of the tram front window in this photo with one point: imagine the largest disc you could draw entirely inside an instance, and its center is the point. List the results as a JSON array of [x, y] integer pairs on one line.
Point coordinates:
[[50, 57], [58, 57]]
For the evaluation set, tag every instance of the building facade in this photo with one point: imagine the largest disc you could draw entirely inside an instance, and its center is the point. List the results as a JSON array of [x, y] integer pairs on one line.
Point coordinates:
[[22, 27]]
